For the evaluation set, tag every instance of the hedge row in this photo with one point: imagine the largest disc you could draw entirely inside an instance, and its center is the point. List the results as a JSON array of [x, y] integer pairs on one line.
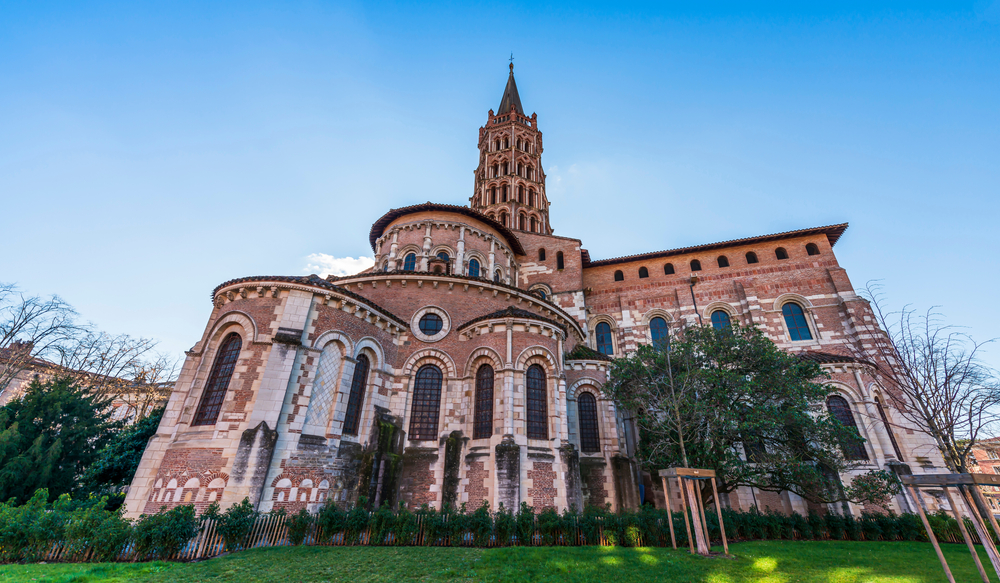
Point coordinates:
[[71, 531]]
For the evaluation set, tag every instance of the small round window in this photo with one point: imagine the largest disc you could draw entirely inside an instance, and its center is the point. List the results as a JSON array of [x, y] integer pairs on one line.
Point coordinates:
[[430, 324]]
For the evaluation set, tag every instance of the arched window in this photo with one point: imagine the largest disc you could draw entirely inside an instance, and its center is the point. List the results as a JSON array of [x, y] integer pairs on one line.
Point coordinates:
[[357, 397], [483, 424], [780, 253], [504, 192], [658, 330], [537, 407], [503, 219], [619, 276], [541, 254], [534, 224], [795, 321], [506, 168], [520, 193], [539, 292], [604, 343], [443, 256], [695, 265], [218, 381], [723, 261], [426, 403], [751, 257], [643, 273], [493, 195], [497, 276], [520, 222], [559, 260], [496, 145], [668, 269], [590, 436], [473, 267], [812, 249], [531, 195], [720, 320], [410, 262], [841, 411]]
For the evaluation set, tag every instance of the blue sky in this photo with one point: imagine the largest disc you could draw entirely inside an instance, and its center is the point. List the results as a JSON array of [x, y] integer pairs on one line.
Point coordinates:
[[149, 153]]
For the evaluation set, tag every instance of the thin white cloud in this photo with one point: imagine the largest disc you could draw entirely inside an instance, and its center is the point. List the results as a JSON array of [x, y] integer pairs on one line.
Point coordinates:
[[323, 265]]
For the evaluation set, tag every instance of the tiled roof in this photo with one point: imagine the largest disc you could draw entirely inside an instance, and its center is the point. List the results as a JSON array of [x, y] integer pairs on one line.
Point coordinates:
[[512, 312], [510, 100], [313, 280], [832, 232], [379, 227]]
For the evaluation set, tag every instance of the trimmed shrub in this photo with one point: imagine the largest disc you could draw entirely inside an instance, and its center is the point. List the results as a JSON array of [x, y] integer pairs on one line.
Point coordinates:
[[298, 526], [160, 535]]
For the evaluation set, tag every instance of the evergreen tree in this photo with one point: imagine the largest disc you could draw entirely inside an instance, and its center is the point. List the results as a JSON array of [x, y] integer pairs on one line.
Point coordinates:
[[49, 437], [117, 462]]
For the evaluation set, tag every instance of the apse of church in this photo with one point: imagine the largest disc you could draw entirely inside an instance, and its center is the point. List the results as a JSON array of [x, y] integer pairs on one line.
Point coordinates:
[[467, 365]]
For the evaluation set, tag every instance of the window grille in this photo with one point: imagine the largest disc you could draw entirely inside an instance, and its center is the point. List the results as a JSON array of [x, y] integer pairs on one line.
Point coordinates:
[[795, 321], [537, 407], [604, 343], [410, 262], [218, 381], [658, 330], [590, 437], [841, 411], [473, 268], [483, 426], [721, 320], [426, 403], [357, 397]]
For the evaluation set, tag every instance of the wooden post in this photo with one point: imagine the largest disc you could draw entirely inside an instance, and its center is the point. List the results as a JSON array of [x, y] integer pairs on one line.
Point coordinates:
[[980, 525], [696, 484], [670, 512], [915, 492], [684, 510], [965, 535], [718, 510]]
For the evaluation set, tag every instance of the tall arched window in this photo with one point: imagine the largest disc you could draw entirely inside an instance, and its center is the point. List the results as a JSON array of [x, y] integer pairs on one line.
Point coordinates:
[[668, 269], [780, 253], [841, 411], [559, 260], [541, 254], [643, 273], [520, 222], [795, 321], [483, 425], [503, 219], [812, 249], [537, 407], [426, 403], [218, 381], [410, 262], [534, 224], [720, 320], [520, 193], [619, 276], [695, 265], [493, 195], [658, 330], [723, 261], [473, 267], [605, 345], [504, 192], [751, 257], [357, 397], [531, 195], [590, 436], [497, 276]]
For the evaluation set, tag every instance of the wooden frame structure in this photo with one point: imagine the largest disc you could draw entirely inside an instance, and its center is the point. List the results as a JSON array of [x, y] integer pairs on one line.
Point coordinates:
[[968, 493], [691, 498]]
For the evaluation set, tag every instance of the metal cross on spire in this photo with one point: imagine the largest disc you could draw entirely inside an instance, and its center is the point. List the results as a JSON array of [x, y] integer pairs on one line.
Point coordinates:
[[512, 62]]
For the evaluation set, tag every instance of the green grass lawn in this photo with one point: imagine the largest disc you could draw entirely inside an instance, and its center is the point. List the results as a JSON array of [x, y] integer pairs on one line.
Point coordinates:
[[756, 562]]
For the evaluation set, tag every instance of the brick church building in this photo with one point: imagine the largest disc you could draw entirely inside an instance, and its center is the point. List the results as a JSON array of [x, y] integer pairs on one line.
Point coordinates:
[[467, 365]]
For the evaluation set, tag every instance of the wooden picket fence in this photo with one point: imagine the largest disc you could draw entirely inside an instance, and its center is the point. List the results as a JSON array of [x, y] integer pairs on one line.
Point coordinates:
[[271, 530]]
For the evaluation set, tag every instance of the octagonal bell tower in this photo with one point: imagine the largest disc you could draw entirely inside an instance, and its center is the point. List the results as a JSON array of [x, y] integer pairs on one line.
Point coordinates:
[[510, 182]]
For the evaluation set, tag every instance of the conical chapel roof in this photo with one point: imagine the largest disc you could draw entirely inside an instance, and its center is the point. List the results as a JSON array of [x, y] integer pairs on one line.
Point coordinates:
[[511, 100]]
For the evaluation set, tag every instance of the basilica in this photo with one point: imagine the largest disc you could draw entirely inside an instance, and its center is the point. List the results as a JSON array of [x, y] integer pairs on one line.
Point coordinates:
[[466, 366]]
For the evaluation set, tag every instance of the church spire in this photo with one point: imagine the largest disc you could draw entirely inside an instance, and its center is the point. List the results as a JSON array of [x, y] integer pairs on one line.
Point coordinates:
[[511, 100], [510, 182]]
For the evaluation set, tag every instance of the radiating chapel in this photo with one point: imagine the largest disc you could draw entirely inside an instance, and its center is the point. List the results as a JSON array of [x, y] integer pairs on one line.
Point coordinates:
[[466, 366]]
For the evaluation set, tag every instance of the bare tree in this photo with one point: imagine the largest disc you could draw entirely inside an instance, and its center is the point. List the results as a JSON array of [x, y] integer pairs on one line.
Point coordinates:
[[932, 375], [31, 327], [122, 367]]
